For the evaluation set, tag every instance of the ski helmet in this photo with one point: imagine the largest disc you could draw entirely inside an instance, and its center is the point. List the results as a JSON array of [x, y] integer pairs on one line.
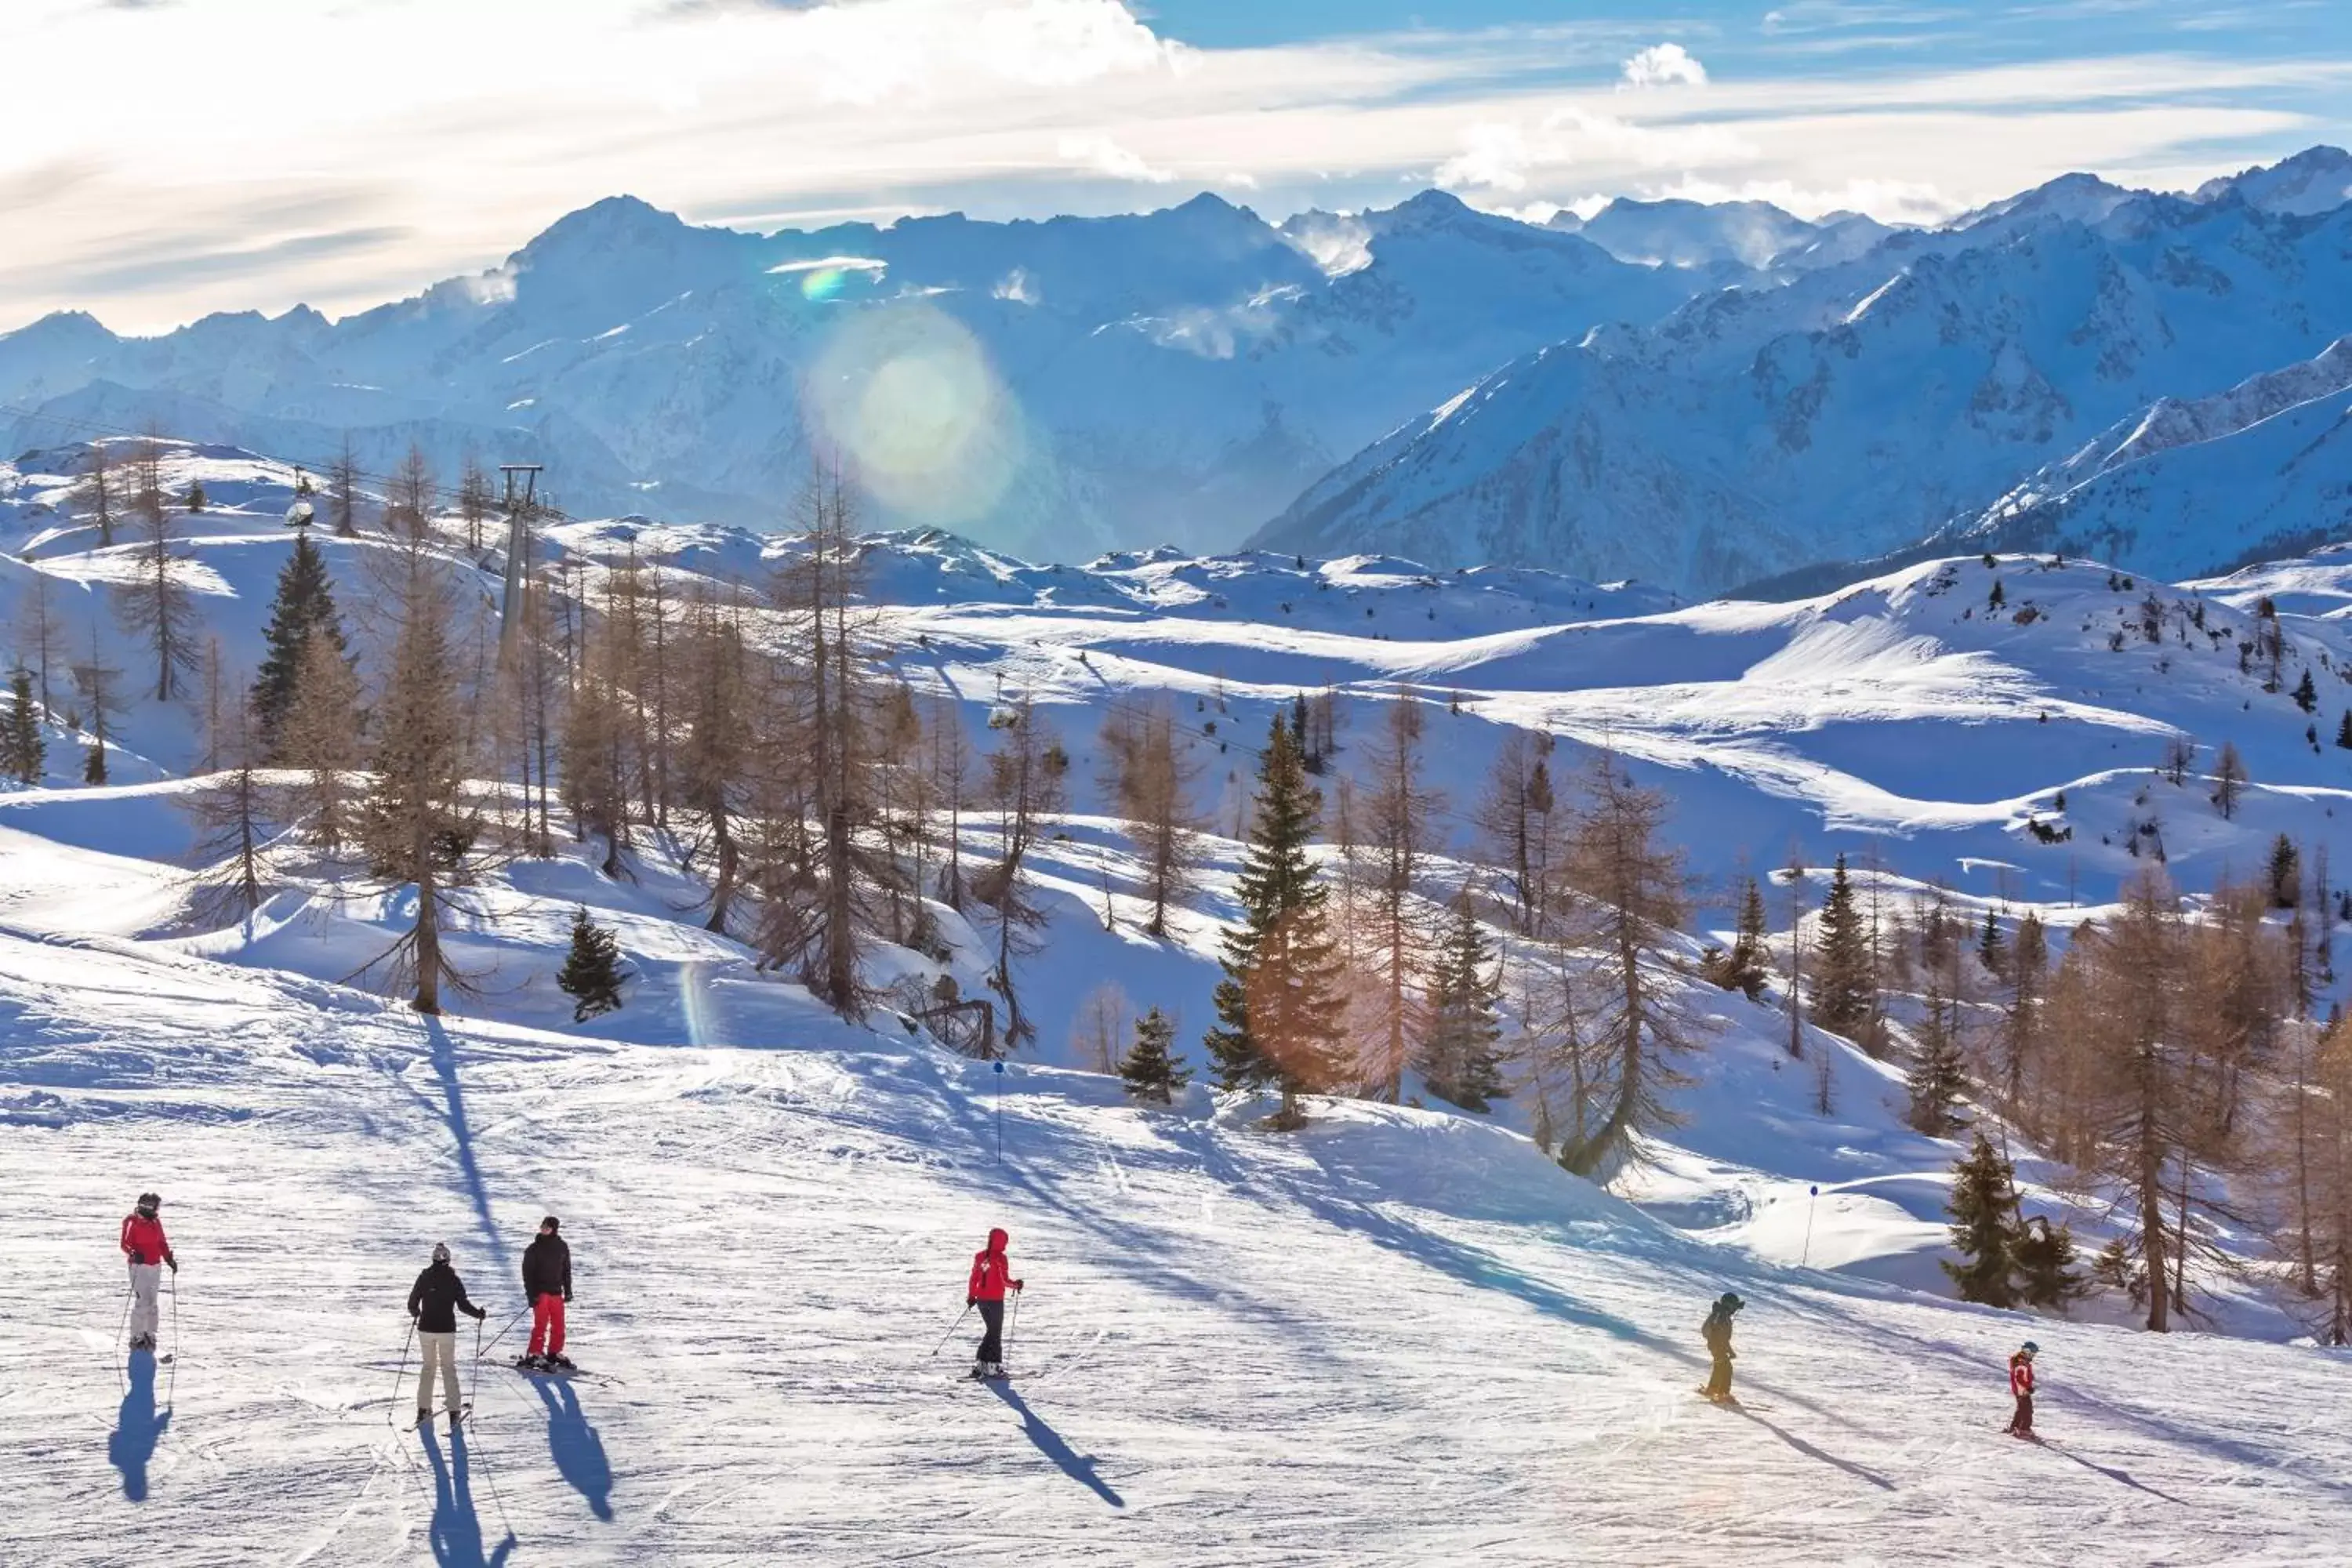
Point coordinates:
[[550, 1223], [149, 1202], [1731, 1302], [2032, 1349], [440, 1252]]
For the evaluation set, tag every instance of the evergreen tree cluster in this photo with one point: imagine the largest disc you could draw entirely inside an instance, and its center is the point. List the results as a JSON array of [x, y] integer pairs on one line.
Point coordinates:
[[24, 750], [2006, 1259]]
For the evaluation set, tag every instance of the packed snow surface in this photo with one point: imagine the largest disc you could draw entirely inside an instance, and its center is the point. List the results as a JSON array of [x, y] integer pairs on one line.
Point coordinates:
[[1402, 1335]]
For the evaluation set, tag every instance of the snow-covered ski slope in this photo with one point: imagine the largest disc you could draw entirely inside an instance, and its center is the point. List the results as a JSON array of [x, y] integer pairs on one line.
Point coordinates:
[[1401, 1336], [1398, 1337]]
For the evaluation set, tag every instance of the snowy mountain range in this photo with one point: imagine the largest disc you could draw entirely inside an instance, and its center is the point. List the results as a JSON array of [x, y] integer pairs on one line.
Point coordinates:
[[1866, 403], [1697, 394], [1178, 375]]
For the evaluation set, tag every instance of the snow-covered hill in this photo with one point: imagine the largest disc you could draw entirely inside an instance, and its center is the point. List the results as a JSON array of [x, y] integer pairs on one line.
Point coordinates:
[[1863, 405], [1402, 1332]]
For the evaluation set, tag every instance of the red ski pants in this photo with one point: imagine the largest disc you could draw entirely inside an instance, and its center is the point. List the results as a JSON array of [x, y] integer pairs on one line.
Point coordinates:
[[547, 1324]]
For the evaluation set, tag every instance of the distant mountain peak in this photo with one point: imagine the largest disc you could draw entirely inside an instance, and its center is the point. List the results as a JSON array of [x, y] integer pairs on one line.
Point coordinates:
[[621, 222], [2315, 179]]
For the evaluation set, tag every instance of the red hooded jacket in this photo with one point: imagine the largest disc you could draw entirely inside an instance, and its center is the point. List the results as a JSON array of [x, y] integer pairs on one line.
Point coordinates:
[[991, 1271], [2020, 1375], [142, 1238]]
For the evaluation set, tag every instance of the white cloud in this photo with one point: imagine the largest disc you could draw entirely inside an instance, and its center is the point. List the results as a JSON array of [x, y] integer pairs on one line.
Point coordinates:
[[1665, 65], [1105, 156], [425, 163]]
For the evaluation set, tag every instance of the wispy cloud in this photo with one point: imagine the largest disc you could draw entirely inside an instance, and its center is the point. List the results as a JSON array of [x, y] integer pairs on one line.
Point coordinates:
[[394, 152]]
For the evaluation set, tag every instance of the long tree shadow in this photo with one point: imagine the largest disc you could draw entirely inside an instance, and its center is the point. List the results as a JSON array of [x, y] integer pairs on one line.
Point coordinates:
[[578, 1451], [137, 1427], [1079, 1467], [1823, 1455], [1475, 1267], [454, 1531], [453, 1096]]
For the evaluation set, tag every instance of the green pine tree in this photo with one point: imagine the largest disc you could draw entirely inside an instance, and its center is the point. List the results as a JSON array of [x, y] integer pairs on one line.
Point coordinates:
[[1983, 1206], [2285, 874], [93, 762], [1149, 1068], [1458, 1059], [1744, 969], [23, 751], [1277, 1015], [1846, 992], [2306, 695], [591, 974], [2344, 731], [1938, 1080], [305, 605], [1997, 598], [2043, 1255], [1992, 951]]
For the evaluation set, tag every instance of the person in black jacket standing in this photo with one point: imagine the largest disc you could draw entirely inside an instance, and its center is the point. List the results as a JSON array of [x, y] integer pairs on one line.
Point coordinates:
[[547, 1285], [434, 1302]]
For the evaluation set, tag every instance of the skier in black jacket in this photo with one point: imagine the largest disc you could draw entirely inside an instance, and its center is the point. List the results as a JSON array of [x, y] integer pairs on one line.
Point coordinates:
[[547, 1285], [433, 1303]]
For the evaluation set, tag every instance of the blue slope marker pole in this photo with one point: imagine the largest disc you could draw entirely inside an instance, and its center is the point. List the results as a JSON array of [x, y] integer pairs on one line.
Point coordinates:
[[1000, 1113], [1812, 1195]]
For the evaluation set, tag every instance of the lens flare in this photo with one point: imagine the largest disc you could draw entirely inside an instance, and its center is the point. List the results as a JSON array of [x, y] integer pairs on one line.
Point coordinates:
[[907, 397], [697, 1004], [822, 284]]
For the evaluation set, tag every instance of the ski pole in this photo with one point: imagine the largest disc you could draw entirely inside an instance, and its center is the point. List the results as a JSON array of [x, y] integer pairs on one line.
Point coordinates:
[[951, 1328], [502, 1334], [1011, 1327], [1812, 1196], [172, 1382], [393, 1409]]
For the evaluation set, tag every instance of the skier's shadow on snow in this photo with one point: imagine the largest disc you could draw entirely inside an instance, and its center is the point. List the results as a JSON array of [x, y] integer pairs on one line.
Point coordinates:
[[137, 1428], [1812, 1452], [455, 1533], [1079, 1467], [578, 1452]]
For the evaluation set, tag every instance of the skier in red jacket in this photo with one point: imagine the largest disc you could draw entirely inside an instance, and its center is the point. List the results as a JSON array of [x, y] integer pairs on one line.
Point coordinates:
[[992, 1276], [146, 1250], [2020, 1385]]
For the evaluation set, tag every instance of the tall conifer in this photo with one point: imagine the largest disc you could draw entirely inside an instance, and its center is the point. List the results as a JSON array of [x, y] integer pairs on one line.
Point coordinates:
[[1277, 1016]]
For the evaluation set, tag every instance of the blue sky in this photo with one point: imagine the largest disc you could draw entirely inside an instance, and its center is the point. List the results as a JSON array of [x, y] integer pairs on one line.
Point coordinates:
[[252, 154]]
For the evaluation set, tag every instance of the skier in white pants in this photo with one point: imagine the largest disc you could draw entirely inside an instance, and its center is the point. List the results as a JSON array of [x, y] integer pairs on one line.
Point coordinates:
[[434, 1302], [145, 1249]]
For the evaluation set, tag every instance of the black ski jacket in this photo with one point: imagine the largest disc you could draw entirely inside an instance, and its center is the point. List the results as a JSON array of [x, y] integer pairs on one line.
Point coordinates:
[[431, 1298], [547, 1268]]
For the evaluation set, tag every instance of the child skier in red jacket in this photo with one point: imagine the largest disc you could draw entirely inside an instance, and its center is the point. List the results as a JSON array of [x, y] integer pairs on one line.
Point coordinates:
[[992, 1276], [146, 1250], [2020, 1385]]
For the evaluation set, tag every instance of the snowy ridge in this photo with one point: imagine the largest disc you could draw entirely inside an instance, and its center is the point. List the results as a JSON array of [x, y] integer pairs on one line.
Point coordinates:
[[1858, 408], [2186, 486]]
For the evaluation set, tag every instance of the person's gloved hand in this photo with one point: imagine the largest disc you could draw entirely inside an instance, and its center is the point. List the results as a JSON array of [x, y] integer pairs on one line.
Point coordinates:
[[970, 1302], [173, 1261], [480, 1312], [567, 1297], [1016, 1286]]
